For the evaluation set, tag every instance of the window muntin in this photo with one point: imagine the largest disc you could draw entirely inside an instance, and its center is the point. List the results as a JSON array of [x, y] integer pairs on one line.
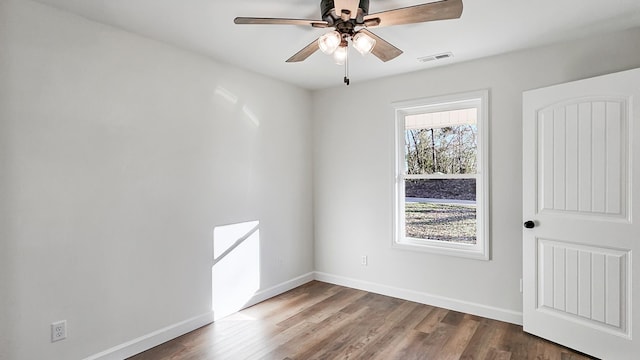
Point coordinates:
[[441, 176]]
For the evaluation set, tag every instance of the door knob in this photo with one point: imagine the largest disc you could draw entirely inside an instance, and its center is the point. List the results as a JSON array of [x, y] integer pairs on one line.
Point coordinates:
[[529, 224]]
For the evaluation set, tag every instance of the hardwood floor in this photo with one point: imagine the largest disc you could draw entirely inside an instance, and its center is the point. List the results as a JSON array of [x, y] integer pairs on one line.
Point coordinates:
[[325, 321]]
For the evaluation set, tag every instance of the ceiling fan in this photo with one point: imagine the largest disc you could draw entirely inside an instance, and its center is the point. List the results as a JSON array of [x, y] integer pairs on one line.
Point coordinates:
[[349, 20]]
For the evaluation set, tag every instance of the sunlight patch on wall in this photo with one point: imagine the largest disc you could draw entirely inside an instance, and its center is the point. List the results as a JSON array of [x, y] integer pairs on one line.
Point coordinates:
[[254, 119], [233, 99], [236, 266], [226, 94]]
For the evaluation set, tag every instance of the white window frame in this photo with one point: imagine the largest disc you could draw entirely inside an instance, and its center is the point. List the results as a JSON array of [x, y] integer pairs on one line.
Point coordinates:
[[479, 99]]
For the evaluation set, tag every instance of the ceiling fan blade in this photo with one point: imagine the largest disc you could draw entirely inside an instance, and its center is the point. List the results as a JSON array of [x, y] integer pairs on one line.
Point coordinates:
[[383, 50], [441, 10], [307, 51], [279, 21]]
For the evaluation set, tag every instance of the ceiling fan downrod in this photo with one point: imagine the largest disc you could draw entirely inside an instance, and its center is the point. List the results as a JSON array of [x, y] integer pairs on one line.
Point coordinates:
[[331, 16]]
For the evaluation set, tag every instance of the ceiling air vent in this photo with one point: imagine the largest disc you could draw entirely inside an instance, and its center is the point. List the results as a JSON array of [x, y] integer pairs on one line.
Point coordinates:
[[442, 56]]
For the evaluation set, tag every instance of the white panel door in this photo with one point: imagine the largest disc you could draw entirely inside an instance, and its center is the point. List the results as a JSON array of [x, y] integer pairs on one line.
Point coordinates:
[[581, 188]]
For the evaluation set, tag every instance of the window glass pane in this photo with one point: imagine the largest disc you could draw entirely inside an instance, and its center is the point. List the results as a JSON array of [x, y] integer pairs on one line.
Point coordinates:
[[441, 209], [441, 143], [454, 189]]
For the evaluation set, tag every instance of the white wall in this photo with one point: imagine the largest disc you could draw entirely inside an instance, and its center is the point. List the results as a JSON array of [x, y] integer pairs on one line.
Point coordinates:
[[353, 161], [117, 160]]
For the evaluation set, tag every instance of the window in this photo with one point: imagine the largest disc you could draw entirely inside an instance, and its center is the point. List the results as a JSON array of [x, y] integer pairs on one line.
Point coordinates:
[[441, 175]]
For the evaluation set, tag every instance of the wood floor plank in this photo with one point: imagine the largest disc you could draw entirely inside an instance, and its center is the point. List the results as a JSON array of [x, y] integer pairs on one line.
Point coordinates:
[[426, 346], [313, 336], [431, 321], [368, 338], [291, 302], [323, 309], [374, 302], [325, 321], [373, 320], [457, 343], [322, 339], [392, 340], [453, 318], [484, 341], [495, 354], [373, 311], [516, 343]]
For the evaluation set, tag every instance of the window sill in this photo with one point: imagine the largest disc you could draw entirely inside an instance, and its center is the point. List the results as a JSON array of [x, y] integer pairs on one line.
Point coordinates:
[[443, 248]]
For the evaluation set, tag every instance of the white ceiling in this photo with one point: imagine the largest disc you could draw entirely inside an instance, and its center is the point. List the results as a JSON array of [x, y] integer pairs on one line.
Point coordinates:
[[486, 28]]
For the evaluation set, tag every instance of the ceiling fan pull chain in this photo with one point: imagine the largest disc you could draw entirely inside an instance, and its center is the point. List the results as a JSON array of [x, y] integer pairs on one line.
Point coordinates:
[[346, 69]]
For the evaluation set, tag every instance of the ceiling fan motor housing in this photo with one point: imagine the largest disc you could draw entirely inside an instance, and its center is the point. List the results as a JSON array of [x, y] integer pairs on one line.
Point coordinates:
[[328, 15]]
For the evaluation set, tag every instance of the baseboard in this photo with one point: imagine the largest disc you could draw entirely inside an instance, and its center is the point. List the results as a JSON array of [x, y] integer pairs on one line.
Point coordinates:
[[153, 339], [279, 289], [490, 312], [158, 337]]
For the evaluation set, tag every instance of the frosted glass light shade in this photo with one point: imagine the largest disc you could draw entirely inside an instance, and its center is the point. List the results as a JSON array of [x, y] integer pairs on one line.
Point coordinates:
[[329, 42], [340, 55], [363, 43]]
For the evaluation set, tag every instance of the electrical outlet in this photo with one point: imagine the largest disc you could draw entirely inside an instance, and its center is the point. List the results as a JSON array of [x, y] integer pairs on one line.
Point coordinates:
[[363, 260], [59, 330]]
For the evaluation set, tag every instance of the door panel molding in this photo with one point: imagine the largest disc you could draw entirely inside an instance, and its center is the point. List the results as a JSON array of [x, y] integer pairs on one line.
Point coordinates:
[[583, 156], [585, 284]]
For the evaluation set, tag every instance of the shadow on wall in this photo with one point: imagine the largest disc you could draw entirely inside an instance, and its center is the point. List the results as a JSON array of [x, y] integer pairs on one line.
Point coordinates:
[[236, 266]]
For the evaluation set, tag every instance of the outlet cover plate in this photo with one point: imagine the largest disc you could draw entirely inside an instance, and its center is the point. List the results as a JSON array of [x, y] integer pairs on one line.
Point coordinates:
[[59, 330]]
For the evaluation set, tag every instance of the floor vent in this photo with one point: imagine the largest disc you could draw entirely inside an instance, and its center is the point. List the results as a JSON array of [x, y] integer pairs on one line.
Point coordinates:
[[442, 56]]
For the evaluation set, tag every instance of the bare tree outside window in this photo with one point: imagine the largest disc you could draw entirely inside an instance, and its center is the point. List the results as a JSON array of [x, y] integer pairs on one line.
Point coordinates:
[[447, 150]]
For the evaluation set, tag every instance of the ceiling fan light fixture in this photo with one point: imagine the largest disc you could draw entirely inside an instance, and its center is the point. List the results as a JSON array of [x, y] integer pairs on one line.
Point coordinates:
[[340, 55], [329, 42], [363, 43]]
